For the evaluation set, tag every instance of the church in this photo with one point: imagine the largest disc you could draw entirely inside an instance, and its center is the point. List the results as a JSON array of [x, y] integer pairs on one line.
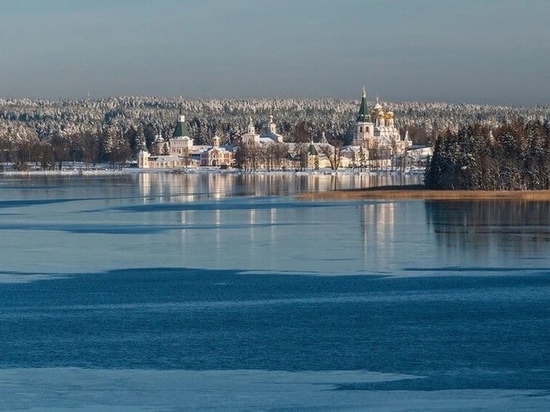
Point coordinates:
[[376, 134], [269, 136], [376, 142], [180, 152]]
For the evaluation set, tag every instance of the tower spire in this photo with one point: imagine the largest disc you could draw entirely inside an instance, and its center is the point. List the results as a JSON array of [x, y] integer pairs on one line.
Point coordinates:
[[181, 127], [363, 115], [251, 128]]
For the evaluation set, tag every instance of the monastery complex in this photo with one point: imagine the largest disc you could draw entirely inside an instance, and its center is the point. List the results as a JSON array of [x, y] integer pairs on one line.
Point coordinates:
[[376, 140]]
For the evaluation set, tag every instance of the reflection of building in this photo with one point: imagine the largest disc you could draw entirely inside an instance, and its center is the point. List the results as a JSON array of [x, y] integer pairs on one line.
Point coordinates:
[[167, 187], [381, 218], [180, 152], [378, 223]]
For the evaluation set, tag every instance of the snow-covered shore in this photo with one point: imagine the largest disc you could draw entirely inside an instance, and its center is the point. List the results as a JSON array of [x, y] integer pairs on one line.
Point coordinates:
[[201, 170]]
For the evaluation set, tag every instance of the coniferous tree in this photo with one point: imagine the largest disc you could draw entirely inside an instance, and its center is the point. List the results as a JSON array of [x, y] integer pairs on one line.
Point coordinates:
[[514, 156]]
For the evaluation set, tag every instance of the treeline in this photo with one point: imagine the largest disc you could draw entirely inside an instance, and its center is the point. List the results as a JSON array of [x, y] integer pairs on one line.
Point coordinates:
[[50, 133], [513, 156], [110, 146], [228, 118]]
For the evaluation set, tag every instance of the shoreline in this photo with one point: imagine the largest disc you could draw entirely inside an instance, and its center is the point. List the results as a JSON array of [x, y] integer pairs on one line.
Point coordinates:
[[201, 170], [419, 192], [403, 192]]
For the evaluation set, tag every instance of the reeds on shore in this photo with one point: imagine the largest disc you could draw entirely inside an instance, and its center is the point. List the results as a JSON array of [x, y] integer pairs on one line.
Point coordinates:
[[421, 193]]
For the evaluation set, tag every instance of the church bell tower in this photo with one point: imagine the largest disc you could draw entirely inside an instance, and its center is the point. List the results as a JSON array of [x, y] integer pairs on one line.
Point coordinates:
[[364, 128]]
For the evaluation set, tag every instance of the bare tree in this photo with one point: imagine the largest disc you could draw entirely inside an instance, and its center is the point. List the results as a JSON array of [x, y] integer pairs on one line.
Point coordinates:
[[362, 157], [90, 148], [61, 148], [22, 151], [274, 154], [333, 154], [43, 155], [5, 148], [248, 156]]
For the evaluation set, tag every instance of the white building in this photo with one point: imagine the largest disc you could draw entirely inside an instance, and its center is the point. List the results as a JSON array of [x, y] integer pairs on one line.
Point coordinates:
[[180, 151], [181, 142], [250, 137], [216, 155], [376, 134], [271, 135]]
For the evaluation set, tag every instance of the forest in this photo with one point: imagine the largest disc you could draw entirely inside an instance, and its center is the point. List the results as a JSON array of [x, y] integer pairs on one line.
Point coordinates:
[[515, 155], [52, 133]]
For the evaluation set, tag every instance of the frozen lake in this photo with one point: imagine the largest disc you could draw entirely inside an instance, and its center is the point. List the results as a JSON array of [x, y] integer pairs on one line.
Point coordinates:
[[225, 292]]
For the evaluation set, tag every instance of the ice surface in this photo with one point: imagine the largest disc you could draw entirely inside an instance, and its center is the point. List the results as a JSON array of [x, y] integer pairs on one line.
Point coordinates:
[[254, 223], [254, 226], [68, 389], [10, 277]]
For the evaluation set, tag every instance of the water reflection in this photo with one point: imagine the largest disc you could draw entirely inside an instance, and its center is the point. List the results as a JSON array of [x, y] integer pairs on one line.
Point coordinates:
[[378, 233], [194, 186], [375, 236], [205, 221], [378, 224], [184, 187], [513, 227]]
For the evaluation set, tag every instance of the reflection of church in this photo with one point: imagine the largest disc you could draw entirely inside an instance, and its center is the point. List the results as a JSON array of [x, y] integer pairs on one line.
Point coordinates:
[[180, 151], [376, 134]]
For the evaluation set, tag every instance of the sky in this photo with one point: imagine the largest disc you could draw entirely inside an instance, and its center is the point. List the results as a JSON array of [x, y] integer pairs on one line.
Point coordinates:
[[456, 51]]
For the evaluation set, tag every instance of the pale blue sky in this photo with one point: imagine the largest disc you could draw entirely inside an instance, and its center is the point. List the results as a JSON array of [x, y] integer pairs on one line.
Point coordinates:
[[465, 51]]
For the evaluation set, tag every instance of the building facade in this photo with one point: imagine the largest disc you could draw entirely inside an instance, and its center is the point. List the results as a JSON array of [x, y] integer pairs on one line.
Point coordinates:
[[376, 141], [376, 134], [180, 152], [216, 155]]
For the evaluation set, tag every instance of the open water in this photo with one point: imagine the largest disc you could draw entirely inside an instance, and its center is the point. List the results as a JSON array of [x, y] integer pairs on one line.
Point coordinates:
[[225, 292]]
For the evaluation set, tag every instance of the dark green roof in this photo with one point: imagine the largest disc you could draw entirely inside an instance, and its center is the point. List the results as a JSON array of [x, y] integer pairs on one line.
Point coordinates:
[[181, 130], [364, 114], [181, 127]]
